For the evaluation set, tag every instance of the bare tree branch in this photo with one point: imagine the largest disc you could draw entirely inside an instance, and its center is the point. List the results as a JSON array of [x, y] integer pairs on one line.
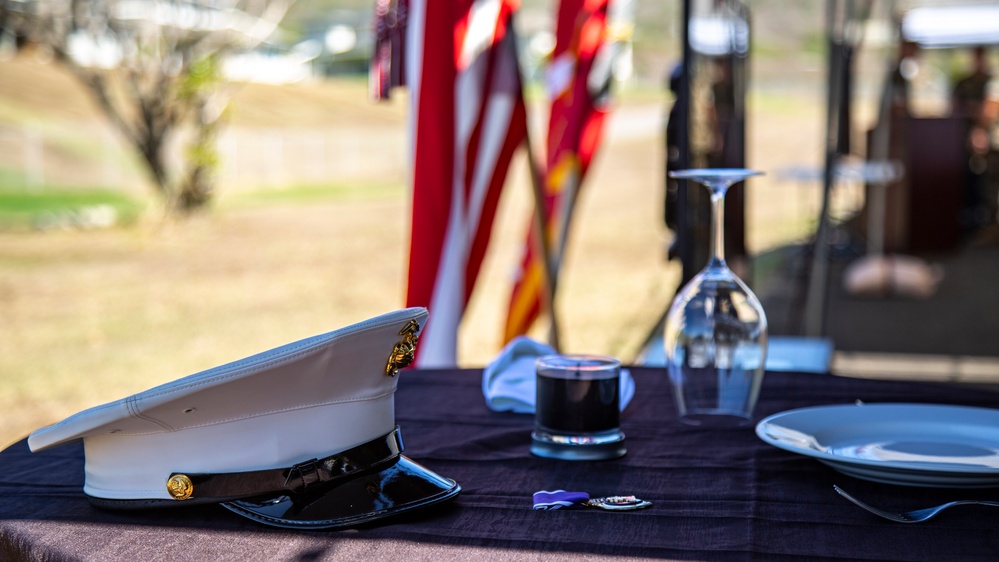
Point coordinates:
[[159, 71]]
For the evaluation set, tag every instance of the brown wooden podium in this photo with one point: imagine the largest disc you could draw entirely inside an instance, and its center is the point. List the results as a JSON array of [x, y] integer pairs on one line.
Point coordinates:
[[923, 208]]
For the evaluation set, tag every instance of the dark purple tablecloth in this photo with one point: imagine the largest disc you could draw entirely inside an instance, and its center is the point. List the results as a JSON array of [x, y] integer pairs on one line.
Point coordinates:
[[718, 494]]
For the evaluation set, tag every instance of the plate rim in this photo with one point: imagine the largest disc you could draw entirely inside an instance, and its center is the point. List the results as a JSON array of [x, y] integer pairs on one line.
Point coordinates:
[[908, 466], [914, 478]]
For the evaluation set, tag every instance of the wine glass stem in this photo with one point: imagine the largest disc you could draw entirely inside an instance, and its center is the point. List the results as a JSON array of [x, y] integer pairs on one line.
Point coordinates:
[[717, 226]]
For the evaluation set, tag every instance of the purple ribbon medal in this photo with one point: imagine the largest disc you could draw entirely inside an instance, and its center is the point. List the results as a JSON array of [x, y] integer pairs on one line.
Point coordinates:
[[560, 499]]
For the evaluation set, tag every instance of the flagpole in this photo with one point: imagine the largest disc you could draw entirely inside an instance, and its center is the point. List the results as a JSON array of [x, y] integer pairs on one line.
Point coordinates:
[[568, 206], [541, 242]]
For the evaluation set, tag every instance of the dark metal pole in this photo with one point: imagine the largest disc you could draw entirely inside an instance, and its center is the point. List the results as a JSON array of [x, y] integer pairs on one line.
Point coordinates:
[[839, 12], [683, 219]]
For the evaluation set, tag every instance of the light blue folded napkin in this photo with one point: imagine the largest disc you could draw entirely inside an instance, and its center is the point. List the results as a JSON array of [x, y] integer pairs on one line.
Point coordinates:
[[509, 381]]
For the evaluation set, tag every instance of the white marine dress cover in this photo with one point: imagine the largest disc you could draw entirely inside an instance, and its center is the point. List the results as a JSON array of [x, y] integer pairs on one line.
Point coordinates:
[[317, 396]]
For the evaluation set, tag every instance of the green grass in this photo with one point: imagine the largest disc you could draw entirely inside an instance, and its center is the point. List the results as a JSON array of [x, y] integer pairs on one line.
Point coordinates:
[[25, 208], [309, 193]]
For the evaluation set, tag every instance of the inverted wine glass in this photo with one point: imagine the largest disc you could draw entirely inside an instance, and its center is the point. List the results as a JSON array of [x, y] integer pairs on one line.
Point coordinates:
[[716, 329]]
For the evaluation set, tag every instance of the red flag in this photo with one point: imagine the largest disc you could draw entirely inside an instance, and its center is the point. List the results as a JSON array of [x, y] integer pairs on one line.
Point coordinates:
[[577, 79], [468, 117]]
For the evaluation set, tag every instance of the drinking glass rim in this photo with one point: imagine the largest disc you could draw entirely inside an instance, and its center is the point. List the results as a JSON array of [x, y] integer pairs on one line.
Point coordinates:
[[578, 362]]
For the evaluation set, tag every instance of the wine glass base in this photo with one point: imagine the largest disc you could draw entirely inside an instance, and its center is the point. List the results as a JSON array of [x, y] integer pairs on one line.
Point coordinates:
[[719, 175]]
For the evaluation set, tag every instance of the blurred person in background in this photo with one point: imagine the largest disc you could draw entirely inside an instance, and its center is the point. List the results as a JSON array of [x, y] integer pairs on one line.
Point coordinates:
[[906, 70], [990, 124], [673, 161], [968, 102]]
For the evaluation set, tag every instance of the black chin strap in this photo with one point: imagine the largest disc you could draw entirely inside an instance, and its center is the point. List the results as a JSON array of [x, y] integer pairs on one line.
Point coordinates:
[[222, 487]]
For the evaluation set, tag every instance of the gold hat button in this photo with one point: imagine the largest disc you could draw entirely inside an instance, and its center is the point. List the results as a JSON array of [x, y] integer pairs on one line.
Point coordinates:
[[180, 486]]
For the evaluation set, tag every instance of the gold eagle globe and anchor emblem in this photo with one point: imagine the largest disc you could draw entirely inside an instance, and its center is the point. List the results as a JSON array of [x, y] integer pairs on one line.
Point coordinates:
[[404, 351]]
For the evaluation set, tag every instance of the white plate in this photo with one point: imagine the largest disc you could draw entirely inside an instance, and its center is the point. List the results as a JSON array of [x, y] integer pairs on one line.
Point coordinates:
[[908, 444]]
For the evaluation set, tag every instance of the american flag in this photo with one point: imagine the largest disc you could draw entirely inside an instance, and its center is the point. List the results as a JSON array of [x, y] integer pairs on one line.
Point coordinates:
[[467, 117]]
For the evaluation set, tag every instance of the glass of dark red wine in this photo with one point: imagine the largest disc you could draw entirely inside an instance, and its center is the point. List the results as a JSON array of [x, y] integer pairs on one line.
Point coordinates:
[[577, 408]]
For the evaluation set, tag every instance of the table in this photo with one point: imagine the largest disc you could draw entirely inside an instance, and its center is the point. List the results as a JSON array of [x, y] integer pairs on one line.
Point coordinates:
[[718, 494]]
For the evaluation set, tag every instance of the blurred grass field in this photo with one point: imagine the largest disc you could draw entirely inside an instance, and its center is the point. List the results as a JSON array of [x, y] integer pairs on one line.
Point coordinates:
[[89, 315]]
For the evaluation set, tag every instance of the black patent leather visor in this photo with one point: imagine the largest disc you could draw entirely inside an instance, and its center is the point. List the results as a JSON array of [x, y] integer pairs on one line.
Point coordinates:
[[397, 488]]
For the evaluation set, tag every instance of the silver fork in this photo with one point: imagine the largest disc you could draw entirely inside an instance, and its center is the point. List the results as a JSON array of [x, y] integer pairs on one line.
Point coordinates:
[[915, 516]]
